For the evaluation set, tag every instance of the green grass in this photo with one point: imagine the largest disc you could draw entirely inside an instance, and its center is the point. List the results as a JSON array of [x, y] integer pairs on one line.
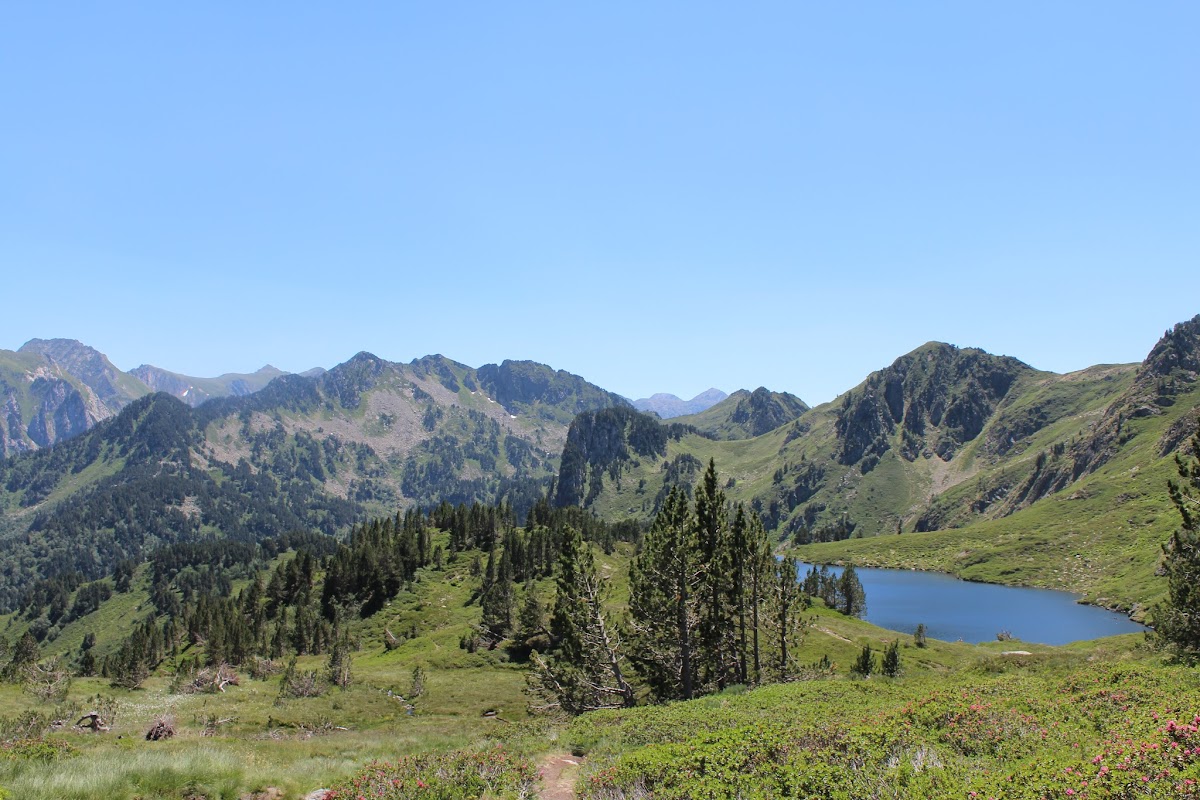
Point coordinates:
[[299, 745], [1095, 720]]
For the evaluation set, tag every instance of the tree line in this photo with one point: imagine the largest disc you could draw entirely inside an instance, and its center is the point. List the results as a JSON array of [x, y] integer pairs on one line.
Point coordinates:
[[710, 606]]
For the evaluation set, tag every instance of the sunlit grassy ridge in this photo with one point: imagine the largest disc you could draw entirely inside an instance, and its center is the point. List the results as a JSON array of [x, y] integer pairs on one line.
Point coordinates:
[[999, 510]]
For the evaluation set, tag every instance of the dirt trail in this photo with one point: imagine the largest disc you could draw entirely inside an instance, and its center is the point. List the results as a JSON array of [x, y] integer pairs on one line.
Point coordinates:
[[559, 773], [828, 632]]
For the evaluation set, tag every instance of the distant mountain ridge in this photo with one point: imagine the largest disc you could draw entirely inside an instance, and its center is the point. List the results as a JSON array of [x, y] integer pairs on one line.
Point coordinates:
[[54, 389], [668, 405], [194, 391]]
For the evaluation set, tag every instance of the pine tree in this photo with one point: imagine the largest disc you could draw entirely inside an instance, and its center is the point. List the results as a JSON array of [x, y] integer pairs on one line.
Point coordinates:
[[715, 553], [663, 582], [339, 665], [850, 591], [498, 599], [1177, 620], [741, 554], [25, 654], [786, 602], [891, 660], [587, 669], [919, 635], [865, 664], [760, 564]]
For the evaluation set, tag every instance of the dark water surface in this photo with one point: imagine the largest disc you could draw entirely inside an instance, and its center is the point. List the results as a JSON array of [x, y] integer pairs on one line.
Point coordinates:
[[954, 609]]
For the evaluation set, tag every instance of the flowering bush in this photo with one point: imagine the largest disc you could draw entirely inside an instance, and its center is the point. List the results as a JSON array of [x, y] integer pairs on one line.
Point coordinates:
[[459, 775], [1103, 732], [36, 749]]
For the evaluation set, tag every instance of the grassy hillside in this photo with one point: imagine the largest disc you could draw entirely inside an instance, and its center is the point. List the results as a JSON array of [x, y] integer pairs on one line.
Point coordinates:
[[952, 460], [1097, 721], [960, 718]]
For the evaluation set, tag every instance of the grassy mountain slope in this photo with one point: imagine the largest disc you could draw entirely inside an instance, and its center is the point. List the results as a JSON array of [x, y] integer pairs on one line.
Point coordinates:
[[881, 453], [1083, 508], [1097, 721], [992, 469], [744, 415]]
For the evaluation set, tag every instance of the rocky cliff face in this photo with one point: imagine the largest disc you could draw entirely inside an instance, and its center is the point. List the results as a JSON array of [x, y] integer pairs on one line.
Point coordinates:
[[765, 410], [52, 390], [110, 389], [744, 415], [159, 380]]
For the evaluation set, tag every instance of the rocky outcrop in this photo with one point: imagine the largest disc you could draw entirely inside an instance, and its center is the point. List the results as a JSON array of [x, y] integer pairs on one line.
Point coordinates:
[[1171, 367], [42, 403], [937, 398], [764, 410]]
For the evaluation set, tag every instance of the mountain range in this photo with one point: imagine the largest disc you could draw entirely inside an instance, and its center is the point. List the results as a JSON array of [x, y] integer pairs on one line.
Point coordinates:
[[319, 452], [668, 405], [54, 389], [981, 455]]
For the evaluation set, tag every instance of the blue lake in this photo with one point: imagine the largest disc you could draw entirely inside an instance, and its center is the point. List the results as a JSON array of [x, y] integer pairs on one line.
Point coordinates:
[[954, 609]]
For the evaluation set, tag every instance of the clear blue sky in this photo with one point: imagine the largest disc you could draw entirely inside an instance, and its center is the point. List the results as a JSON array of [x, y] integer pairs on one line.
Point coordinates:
[[658, 197]]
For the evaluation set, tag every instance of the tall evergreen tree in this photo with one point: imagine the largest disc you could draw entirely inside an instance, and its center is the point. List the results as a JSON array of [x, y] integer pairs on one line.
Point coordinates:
[[741, 554], [340, 662], [787, 602], [663, 582], [853, 598], [587, 669], [498, 599], [760, 564], [25, 654], [1177, 620], [715, 555]]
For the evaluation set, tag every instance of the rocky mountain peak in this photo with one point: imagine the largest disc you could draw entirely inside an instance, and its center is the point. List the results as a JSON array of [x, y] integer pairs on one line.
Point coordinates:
[[938, 397]]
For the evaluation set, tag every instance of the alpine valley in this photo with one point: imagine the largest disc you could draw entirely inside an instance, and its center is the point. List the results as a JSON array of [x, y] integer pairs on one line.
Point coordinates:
[[383, 579]]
